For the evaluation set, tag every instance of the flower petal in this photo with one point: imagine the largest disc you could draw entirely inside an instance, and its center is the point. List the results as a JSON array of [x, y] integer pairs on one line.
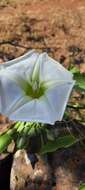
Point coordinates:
[[36, 69], [35, 111], [58, 97], [9, 93], [52, 70], [20, 59]]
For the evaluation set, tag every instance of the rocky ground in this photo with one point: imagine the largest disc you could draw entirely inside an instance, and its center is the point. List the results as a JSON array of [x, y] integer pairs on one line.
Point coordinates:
[[57, 27]]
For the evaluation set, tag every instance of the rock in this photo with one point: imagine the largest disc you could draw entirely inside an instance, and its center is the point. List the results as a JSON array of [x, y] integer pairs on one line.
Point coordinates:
[[21, 170], [26, 177], [42, 174], [11, 147]]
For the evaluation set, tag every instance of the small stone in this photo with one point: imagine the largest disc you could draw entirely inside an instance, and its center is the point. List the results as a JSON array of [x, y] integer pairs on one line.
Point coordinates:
[[21, 170], [27, 176], [11, 147], [42, 175]]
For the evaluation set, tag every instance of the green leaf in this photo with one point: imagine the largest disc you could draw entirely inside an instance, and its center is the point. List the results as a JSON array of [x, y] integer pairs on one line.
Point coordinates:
[[21, 127], [80, 80], [82, 186], [5, 140], [21, 142], [60, 142], [31, 131], [50, 135], [74, 70], [66, 115]]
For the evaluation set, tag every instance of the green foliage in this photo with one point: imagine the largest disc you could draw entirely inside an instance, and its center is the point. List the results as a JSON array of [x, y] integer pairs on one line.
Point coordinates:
[[78, 77], [31, 131], [22, 142], [50, 135], [5, 140], [80, 80], [74, 70], [61, 142], [82, 186]]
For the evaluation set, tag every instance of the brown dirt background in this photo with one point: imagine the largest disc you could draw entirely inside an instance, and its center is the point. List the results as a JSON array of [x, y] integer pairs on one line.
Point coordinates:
[[57, 27]]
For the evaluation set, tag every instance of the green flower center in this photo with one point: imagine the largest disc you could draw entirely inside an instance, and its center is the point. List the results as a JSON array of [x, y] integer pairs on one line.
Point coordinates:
[[35, 90]]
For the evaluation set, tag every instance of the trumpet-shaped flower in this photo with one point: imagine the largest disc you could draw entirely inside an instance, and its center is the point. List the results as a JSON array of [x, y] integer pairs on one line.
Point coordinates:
[[34, 88]]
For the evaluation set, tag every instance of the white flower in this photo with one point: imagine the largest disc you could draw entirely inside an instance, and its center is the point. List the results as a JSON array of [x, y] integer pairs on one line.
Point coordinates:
[[34, 88]]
